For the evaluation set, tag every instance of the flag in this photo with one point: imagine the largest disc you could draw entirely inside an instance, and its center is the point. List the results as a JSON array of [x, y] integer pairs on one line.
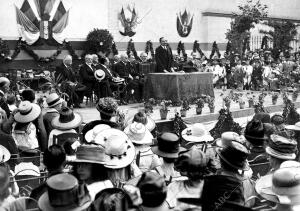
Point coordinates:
[[26, 9], [59, 13], [49, 7]]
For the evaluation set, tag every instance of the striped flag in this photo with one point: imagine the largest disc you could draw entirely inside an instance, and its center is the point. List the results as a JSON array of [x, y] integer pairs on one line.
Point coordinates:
[[59, 13], [26, 9]]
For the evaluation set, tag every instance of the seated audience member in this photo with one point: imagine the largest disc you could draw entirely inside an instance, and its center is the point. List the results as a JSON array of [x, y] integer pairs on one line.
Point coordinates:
[[28, 95], [279, 150], [28, 128], [168, 148], [142, 139], [4, 88], [66, 122], [11, 102], [194, 62], [233, 159], [88, 168], [257, 138], [153, 192], [65, 186], [121, 68], [215, 195], [195, 166], [66, 77], [54, 159], [137, 84], [119, 156], [54, 103], [86, 73]]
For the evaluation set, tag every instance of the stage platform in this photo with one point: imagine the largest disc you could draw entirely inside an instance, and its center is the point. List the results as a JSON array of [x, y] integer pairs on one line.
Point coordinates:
[[242, 116]]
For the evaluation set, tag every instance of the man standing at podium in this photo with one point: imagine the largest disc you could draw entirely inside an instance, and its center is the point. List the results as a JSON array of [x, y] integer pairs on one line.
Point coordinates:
[[164, 57]]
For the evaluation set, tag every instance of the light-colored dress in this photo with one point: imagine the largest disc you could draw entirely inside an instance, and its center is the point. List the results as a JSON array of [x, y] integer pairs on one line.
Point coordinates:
[[148, 160]]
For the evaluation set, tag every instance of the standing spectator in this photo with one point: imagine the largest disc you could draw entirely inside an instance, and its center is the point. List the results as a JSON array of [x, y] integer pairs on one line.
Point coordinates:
[[164, 57], [54, 103], [257, 74], [248, 69], [28, 95]]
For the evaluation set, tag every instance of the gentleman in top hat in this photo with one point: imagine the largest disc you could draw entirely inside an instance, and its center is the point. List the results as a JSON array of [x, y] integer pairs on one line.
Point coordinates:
[[65, 76], [164, 57]]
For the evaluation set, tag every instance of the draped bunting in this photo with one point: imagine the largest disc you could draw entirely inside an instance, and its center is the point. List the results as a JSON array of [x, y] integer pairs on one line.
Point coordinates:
[[37, 6], [27, 29], [59, 27], [28, 12], [49, 6], [59, 13]]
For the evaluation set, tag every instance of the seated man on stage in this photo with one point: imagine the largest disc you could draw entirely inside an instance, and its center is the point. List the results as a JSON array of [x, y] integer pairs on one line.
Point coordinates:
[[66, 77], [164, 57]]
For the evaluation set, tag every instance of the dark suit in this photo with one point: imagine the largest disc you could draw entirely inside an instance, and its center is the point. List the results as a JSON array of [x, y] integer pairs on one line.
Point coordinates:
[[121, 69], [87, 76], [164, 59], [64, 73], [106, 83]]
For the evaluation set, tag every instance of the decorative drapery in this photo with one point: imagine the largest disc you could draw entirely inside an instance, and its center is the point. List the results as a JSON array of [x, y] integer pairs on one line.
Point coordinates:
[[27, 29], [57, 31]]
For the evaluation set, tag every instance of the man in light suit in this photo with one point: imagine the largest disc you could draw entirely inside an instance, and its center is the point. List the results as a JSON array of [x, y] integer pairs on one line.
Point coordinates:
[[164, 57]]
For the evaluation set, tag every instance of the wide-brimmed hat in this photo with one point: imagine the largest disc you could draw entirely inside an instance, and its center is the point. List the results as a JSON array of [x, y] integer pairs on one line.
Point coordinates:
[[92, 134], [89, 153], [167, 146], [66, 120], [263, 117], [27, 112], [281, 187], [4, 154], [191, 161], [142, 118], [99, 75], [53, 99], [255, 133], [196, 133], [235, 155], [138, 133], [296, 126], [119, 150], [277, 119], [228, 137], [281, 147], [4, 81], [64, 193], [216, 187]]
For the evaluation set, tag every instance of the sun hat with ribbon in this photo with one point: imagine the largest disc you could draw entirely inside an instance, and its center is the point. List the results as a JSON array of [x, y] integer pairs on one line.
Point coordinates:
[[66, 120], [281, 147], [53, 99], [92, 134], [228, 137], [168, 146], [64, 193], [99, 75], [281, 187], [27, 112], [119, 150], [89, 153], [295, 127], [235, 155], [138, 133], [4, 154], [196, 133]]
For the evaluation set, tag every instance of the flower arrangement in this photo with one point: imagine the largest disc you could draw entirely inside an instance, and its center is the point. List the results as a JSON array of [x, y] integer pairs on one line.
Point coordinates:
[[241, 102], [211, 103], [275, 96], [164, 109], [120, 118], [295, 94], [200, 102], [148, 105], [227, 102], [251, 98], [185, 105]]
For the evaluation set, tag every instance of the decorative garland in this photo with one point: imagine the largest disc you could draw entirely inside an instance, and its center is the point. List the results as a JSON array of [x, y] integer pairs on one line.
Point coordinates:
[[149, 48], [196, 47], [181, 49], [22, 45], [214, 50], [225, 123], [290, 114], [264, 43], [131, 48], [4, 50], [228, 48], [114, 48]]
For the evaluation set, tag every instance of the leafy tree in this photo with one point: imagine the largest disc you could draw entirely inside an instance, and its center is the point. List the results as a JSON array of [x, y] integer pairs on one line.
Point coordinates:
[[99, 40], [250, 14]]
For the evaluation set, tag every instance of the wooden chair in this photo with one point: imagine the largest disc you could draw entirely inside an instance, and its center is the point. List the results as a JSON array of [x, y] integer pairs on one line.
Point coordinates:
[[66, 140]]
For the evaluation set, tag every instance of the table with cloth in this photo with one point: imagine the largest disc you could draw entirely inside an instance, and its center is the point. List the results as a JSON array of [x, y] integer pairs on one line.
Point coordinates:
[[178, 86]]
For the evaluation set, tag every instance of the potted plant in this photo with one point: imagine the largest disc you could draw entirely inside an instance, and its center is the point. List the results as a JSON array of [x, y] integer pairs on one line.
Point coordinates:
[[241, 102], [200, 105], [163, 110], [211, 103], [250, 98], [295, 95], [148, 106], [107, 107], [185, 107], [275, 96], [227, 102]]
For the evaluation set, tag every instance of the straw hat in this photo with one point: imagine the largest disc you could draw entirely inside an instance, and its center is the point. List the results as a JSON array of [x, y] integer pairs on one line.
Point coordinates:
[[281, 147], [150, 123], [91, 134], [119, 150], [64, 194], [293, 127], [99, 75], [27, 112], [138, 133], [4, 81], [196, 133], [90, 153], [53, 99], [4, 154], [228, 137], [66, 119]]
